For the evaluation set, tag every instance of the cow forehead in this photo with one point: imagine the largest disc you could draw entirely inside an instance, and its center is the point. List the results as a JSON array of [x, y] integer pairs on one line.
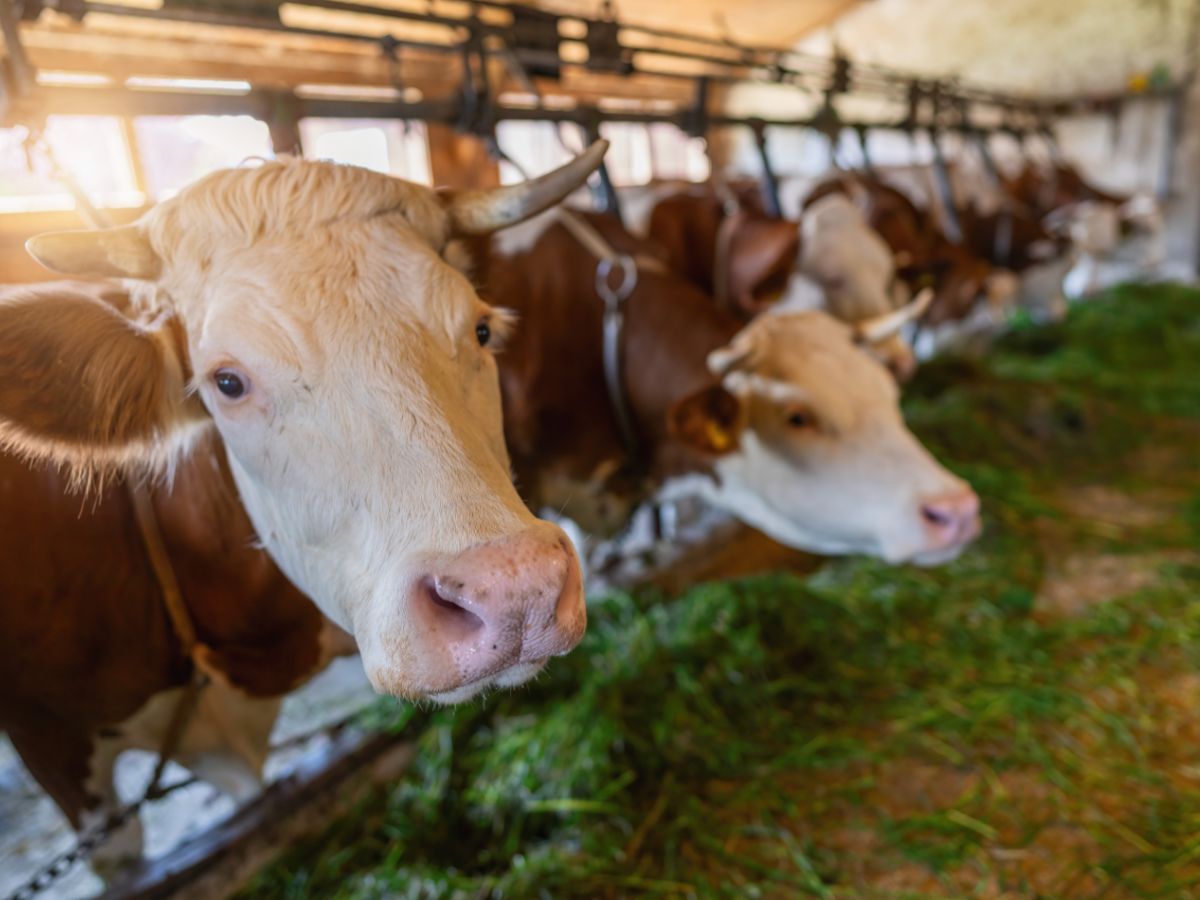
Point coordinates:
[[286, 199], [335, 302], [836, 234], [812, 355]]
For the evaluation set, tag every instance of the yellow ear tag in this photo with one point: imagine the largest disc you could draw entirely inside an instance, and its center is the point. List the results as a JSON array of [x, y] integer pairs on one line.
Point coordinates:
[[718, 437]]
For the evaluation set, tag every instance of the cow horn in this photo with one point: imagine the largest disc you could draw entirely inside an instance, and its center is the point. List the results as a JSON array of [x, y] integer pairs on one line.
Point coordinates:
[[724, 360], [121, 252], [485, 211], [882, 327]]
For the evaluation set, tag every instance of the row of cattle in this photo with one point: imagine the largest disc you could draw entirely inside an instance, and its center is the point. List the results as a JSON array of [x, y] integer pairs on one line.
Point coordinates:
[[324, 381]]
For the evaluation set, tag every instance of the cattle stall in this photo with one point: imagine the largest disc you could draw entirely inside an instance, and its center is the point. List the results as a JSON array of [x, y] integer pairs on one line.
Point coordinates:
[[471, 448]]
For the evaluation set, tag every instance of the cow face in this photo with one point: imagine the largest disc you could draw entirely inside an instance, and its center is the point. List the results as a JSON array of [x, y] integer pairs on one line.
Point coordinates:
[[855, 270], [808, 445], [307, 312]]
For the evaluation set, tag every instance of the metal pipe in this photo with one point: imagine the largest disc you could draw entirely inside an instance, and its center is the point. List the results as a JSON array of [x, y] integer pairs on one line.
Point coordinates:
[[22, 71], [941, 173], [128, 101], [770, 184]]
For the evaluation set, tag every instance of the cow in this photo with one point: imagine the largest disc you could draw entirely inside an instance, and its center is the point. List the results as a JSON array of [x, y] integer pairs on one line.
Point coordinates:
[[784, 422], [1114, 237], [725, 244], [923, 255], [299, 392]]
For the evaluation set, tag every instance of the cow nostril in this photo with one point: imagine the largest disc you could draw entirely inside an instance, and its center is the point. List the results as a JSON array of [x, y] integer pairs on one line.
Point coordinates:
[[449, 609], [936, 516]]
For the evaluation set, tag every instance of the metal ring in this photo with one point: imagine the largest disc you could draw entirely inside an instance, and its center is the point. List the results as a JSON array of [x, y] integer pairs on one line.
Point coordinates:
[[615, 296]]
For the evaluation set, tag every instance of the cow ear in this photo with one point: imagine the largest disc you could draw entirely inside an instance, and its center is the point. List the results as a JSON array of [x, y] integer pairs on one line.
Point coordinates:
[[84, 385], [709, 420], [121, 252], [762, 255]]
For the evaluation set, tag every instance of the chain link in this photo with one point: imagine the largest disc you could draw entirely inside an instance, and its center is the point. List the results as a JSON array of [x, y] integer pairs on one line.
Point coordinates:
[[57, 869]]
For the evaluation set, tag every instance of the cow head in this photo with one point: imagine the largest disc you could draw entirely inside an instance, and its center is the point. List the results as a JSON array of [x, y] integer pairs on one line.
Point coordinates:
[[807, 443], [856, 271], [308, 312]]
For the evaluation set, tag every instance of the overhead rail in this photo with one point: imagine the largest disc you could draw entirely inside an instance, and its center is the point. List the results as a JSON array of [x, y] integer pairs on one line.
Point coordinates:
[[545, 44]]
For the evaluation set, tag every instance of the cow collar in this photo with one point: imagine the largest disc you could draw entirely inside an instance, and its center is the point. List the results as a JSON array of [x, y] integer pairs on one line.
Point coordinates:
[[181, 624], [616, 279]]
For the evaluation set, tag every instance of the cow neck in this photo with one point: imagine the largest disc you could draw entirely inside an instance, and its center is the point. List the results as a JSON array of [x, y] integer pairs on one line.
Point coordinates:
[[687, 227], [251, 625], [671, 331], [556, 410]]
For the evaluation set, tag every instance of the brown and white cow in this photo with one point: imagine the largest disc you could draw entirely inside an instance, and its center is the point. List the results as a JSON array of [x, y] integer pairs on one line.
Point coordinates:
[[925, 258], [723, 242], [90, 662], [307, 312], [1114, 237], [786, 423], [305, 373]]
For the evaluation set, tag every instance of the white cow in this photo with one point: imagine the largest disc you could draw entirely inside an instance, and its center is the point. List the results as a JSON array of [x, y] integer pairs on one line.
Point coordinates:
[[311, 314]]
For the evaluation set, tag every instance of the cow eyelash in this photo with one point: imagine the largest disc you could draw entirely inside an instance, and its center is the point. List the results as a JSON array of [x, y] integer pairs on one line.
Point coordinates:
[[493, 328], [800, 419]]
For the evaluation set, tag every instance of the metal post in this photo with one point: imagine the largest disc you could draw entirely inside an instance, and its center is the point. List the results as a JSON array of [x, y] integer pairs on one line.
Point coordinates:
[[945, 190], [22, 71], [604, 194], [1166, 172], [863, 133], [985, 153], [770, 184]]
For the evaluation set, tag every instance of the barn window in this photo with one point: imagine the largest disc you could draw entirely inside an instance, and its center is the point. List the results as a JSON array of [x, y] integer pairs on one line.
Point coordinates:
[[385, 145], [91, 149], [629, 157], [535, 147], [176, 150], [673, 154], [638, 153]]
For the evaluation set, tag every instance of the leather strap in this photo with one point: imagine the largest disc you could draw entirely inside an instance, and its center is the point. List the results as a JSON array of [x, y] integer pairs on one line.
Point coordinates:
[[614, 294], [181, 624]]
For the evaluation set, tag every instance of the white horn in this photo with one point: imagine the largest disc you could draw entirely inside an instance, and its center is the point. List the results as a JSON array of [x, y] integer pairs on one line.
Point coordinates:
[[485, 211], [880, 328]]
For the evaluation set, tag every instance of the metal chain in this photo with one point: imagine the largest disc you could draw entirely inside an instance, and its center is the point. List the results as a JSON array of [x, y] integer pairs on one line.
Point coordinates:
[[57, 869]]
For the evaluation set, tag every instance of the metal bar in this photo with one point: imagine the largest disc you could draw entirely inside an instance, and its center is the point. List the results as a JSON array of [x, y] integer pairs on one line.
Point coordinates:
[[985, 153], [249, 22], [770, 184], [604, 192], [953, 227], [129, 101], [767, 61], [1166, 172], [22, 71]]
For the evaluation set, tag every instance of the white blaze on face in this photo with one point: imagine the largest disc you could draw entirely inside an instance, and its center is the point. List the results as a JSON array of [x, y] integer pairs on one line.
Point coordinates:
[[824, 461]]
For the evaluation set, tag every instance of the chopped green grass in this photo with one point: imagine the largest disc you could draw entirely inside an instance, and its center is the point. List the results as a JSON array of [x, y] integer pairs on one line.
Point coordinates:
[[869, 731]]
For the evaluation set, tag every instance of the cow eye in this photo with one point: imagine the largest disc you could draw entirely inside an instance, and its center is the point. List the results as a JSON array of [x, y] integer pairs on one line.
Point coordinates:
[[229, 383], [483, 332], [799, 418]]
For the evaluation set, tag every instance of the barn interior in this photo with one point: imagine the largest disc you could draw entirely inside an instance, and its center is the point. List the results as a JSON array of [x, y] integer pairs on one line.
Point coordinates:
[[745, 716]]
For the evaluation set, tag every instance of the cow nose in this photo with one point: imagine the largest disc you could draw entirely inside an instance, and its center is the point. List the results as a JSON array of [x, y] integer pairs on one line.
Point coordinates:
[[952, 518], [903, 367], [514, 600]]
